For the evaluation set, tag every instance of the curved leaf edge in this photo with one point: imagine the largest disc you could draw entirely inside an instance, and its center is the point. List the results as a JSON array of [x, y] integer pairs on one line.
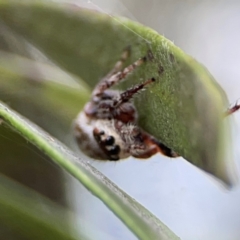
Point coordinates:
[[141, 222]]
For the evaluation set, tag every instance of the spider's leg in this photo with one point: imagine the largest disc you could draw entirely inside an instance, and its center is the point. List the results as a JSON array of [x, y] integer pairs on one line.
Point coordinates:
[[116, 78], [232, 110], [129, 93], [154, 146], [119, 64], [111, 108], [146, 154], [163, 148]]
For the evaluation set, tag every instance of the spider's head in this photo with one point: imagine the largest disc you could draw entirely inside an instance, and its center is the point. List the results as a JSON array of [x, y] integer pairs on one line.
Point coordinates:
[[109, 140]]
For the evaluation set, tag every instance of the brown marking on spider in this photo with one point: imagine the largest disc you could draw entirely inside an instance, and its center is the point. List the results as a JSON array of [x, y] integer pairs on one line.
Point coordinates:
[[107, 127]]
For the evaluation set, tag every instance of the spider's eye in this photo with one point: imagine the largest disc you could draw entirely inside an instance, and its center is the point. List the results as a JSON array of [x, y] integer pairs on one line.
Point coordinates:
[[109, 140], [114, 150]]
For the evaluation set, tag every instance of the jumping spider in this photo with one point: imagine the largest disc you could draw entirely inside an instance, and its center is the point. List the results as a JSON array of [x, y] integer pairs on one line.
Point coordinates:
[[107, 127]]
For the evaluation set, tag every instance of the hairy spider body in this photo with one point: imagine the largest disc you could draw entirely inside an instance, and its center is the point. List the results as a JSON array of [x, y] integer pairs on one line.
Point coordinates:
[[107, 127]]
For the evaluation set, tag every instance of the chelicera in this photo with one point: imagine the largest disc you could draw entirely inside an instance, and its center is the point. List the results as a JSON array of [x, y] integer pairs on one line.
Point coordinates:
[[107, 127]]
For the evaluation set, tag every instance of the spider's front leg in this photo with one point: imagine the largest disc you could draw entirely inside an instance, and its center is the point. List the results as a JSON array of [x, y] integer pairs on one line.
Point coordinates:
[[143, 145], [102, 102], [161, 148], [116, 75], [119, 64], [127, 95]]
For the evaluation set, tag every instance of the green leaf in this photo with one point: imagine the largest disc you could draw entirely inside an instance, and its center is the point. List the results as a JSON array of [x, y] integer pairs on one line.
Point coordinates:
[[183, 109], [26, 214], [141, 222]]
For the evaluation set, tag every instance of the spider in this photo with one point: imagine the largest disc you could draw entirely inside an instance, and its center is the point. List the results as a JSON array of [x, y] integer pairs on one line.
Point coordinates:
[[107, 127]]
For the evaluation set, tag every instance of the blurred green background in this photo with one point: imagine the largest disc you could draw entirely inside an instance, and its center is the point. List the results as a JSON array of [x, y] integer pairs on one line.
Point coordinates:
[[192, 204]]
